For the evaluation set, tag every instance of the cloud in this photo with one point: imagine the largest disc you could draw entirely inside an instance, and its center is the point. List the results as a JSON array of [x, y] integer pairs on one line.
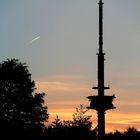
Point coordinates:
[[66, 92], [63, 94]]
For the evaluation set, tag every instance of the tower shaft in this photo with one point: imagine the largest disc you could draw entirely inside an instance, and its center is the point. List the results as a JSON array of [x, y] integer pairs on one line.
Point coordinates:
[[100, 53], [101, 112]]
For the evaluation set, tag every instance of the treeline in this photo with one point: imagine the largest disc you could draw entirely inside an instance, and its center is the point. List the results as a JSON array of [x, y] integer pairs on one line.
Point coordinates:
[[130, 133], [23, 112], [80, 127]]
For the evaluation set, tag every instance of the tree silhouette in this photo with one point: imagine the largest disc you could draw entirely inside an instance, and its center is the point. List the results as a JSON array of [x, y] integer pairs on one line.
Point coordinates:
[[130, 133], [21, 110], [80, 128], [81, 119], [82, 125], [117, 135]]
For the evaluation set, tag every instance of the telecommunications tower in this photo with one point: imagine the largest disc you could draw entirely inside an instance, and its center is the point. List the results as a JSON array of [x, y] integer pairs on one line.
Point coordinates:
[[101, 102]]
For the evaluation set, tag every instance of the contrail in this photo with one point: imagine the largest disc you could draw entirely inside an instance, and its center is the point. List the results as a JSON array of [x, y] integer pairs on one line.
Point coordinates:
[[33, 40]]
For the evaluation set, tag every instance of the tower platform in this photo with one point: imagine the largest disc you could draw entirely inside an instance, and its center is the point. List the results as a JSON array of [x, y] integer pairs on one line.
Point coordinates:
[[101, 102]]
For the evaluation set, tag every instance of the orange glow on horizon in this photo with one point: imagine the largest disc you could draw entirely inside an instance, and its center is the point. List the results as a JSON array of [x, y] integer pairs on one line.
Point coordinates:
[[63, 97]]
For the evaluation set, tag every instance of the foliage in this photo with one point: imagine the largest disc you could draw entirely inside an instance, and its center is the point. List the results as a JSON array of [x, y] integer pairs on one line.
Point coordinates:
[[20, 109], [130, 133], [81, 119], [79, 128]]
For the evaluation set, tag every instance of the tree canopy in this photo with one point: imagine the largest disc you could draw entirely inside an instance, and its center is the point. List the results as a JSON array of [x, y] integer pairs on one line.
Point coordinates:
[[79, 128], [20, 107]]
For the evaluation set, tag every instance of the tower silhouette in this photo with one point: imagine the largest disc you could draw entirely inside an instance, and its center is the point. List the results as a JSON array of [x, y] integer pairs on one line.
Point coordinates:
[[101, 102]]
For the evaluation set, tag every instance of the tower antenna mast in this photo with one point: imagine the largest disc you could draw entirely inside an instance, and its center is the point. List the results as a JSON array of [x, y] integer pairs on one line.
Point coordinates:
[[101, 102]]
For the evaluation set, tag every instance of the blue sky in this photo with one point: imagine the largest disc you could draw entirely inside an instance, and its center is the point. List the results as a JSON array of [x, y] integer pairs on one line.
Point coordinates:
[[58, 39]]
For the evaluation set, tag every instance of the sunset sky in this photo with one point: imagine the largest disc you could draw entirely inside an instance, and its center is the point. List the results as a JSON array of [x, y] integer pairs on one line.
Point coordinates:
[[58, 39]]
